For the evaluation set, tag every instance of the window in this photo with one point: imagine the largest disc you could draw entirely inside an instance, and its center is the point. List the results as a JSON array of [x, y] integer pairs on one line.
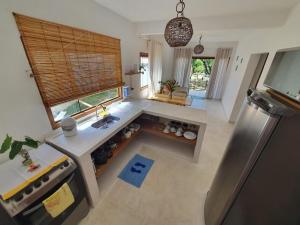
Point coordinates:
[[144, 65], [80, 105], [69, 64]]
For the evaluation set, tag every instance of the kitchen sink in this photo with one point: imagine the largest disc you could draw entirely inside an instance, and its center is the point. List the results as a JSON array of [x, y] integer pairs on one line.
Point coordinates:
[[105, 121]]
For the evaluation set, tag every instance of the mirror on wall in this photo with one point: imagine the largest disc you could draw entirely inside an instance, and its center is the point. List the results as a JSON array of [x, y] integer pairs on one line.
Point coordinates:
[[284, 74]]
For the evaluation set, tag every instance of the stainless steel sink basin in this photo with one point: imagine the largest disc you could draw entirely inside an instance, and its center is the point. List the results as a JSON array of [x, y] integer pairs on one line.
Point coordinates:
[[105, 121]]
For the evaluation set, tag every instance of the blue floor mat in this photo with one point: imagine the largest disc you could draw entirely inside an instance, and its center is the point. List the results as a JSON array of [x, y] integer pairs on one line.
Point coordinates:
[[136, 170]]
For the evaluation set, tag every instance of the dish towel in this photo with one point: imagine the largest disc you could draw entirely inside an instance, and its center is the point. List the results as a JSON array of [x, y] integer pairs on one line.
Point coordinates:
[[59, 201]]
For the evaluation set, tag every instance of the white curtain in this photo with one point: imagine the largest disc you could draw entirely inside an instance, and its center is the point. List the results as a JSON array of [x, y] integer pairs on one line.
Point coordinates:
[[218, 74], [155, 62], [182, 66]]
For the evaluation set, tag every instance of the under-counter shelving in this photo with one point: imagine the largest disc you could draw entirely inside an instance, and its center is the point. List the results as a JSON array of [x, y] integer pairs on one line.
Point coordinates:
[[121, 146], [149, 126], [157, 129], [82, 146]]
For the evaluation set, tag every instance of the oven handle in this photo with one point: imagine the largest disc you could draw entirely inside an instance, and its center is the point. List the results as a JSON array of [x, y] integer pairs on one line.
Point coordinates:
[[37, 207]]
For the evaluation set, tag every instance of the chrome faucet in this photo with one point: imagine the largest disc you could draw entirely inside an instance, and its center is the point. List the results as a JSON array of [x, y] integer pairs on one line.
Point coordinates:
[[102, 106]]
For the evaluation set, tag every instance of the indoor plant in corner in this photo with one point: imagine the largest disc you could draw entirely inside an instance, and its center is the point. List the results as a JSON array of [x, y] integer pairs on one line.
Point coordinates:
[[168, 87], [16, 147]]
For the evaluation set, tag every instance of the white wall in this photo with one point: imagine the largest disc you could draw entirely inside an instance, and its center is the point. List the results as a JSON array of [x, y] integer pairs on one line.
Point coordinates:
[[217, 23], [22, 112], [259, 41], [251, 66]]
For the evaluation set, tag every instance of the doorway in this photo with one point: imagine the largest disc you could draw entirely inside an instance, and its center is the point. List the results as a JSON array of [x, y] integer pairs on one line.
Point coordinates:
[[200, 74], [258, 70]]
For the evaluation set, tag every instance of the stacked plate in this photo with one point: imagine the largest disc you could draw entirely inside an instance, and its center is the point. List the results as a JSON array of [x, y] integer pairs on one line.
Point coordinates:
[[190, 135]]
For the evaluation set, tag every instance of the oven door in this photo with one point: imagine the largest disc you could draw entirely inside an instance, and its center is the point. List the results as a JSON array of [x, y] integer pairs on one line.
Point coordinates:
[[36, 214]]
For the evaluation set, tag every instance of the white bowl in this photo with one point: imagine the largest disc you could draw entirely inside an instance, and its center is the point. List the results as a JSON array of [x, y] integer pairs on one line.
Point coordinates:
[[190, 135]]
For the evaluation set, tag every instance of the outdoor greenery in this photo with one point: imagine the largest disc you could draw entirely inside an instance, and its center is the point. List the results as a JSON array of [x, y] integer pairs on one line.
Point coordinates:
[[201, 69], [100, 97], [91, 100], [75, 108], [202, 66], [86, 102]]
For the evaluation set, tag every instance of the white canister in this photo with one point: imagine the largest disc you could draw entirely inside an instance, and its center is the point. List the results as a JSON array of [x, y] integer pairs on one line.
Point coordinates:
[[69, 126], [127, 134]]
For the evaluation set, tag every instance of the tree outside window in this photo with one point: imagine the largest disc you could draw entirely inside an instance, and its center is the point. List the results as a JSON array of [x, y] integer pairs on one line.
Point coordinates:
[[201, 70]]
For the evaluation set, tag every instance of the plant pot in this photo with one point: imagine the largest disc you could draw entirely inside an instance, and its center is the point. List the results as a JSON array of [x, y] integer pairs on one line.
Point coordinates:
[[27, 162]]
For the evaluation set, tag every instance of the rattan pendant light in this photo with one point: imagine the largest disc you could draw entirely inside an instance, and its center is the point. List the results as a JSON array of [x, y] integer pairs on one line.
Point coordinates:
[[199, 48], [179, 30]]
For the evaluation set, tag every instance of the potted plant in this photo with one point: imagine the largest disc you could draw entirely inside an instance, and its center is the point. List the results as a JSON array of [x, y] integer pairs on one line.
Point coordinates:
[[168, 87], [142, 68], [16, 147]]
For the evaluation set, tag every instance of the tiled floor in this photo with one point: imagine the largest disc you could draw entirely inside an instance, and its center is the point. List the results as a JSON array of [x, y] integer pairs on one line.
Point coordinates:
[[197, 94], [174, 190]]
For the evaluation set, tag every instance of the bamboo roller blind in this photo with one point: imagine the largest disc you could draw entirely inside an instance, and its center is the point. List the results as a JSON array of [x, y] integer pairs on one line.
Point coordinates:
[[69, 63]]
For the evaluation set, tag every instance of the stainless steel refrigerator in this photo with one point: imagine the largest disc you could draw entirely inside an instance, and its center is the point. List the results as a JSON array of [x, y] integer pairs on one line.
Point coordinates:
[[258, 180]]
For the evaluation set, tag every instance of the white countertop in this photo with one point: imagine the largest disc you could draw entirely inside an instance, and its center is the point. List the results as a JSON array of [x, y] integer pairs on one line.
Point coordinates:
[[89, 138]]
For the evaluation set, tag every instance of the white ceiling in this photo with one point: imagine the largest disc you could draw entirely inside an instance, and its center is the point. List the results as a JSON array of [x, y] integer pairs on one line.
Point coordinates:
[[152, 10]]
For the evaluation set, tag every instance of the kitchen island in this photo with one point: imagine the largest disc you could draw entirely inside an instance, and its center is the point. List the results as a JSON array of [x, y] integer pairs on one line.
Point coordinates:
[[88, 139]]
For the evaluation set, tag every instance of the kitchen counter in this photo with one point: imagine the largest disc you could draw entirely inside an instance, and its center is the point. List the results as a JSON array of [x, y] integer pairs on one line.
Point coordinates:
[[89, 139]]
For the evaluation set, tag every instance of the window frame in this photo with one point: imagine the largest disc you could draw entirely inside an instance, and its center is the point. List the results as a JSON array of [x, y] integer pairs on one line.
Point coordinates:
[[203, 57], [57, 35], [85, 112], [143, 55]]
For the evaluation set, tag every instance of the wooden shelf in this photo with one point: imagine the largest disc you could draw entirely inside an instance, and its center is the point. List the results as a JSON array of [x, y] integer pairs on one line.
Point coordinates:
[[284, 99], [133, 73], [146, 126], [157, 129], [121, 146], [176, 101]]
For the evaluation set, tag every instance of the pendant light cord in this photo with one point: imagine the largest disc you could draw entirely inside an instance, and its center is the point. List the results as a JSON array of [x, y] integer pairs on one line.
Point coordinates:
[[180, 11], [200, 39]]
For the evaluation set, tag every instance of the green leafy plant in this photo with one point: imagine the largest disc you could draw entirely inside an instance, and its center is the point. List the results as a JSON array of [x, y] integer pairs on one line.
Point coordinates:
[[170, 85], [142, 68], [202, 66], [15, 146]]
